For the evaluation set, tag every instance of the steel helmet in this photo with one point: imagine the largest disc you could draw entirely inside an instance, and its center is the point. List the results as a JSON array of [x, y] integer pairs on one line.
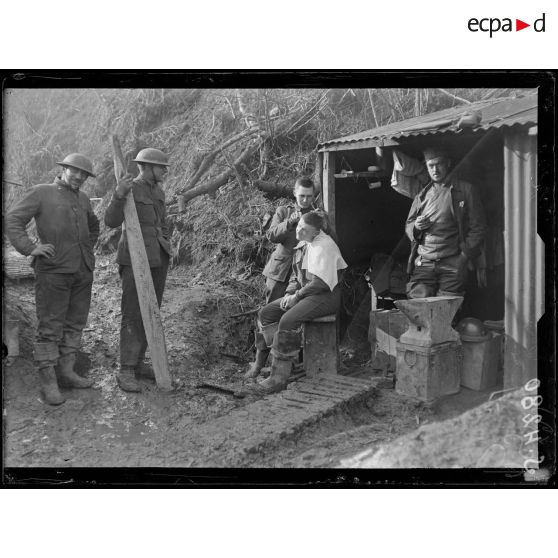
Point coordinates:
[[78, 161], [472, 329], [152, 156]]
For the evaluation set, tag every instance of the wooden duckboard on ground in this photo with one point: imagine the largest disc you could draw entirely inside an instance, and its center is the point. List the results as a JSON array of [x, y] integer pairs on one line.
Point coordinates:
[[246, 431]]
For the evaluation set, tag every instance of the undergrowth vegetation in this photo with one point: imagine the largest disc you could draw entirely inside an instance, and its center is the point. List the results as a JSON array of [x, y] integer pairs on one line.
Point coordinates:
[[234, 153]]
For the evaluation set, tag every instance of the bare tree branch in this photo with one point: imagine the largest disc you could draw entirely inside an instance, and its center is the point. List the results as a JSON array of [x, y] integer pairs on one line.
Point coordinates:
[[308, 113], [417, 102], [213, 185], [209, 158], [373, 108], [460, 99], [390, 105]]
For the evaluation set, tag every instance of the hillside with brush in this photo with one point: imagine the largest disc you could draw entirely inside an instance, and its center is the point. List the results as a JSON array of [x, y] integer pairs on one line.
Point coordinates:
[[234, 153]]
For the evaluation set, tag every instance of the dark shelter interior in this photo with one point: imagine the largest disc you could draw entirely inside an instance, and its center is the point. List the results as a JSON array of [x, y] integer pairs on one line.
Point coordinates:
[[371, 215]]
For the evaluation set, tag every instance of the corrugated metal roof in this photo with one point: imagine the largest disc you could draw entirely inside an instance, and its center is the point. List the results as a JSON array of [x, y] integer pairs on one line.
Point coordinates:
[[495, 114]]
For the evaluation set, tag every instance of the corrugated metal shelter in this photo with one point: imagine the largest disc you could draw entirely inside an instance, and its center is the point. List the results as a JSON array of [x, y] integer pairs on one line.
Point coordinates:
[[503, 147]]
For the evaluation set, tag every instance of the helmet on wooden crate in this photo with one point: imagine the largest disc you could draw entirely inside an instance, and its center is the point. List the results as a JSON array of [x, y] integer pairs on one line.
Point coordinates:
[[471, 329]]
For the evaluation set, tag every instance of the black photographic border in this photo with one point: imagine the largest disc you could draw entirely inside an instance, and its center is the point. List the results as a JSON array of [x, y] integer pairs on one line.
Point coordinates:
[[544, 80]]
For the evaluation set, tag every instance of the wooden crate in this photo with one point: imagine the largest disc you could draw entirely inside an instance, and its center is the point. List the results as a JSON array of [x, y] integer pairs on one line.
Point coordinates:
[[427, 373], [320, 346]]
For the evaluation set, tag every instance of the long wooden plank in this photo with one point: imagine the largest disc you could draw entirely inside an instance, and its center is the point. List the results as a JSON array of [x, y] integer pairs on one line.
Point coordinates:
[[318, 393], [334, 391], [144, 282]]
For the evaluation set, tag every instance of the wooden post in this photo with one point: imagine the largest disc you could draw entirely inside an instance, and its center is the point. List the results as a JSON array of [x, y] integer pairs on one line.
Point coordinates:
[[144, 282], [328, 187], [317, 178]]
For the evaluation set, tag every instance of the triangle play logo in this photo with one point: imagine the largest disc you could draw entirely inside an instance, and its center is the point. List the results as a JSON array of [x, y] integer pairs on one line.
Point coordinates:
[[519, 25]]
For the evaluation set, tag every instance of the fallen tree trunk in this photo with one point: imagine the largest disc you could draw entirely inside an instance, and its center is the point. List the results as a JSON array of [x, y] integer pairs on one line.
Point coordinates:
[[213, 185], [209, 158], [282, 129], [277, 190]]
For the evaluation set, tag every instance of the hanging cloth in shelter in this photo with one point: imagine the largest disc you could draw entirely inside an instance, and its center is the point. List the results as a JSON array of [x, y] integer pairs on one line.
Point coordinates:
[[409, 175]]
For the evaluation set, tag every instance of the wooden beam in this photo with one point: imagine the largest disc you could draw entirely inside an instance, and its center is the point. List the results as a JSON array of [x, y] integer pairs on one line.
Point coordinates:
[[317, 177], [362, 144], [144, 282], [328, 187]]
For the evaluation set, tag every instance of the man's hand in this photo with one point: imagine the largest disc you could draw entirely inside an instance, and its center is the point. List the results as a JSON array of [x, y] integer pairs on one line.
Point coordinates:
[[124, 186], [295, 218], [288, 301], [422, 223], [46, 250]]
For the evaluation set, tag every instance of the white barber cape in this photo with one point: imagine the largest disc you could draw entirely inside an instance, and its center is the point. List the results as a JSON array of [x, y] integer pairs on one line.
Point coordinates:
[[323, 258]]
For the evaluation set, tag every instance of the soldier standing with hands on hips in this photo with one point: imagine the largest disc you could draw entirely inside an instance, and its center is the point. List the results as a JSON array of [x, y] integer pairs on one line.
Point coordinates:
[[63, 260]]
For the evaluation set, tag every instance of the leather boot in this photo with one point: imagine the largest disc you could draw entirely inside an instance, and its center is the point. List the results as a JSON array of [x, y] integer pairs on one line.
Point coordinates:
[[262, 352], [277, 381], [67, 376], [144, 370], [256, 367], [126, 379], [286, 345], [49, 386]]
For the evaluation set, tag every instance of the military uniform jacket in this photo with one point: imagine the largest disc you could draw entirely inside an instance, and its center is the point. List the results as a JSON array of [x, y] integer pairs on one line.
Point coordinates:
[[150, 205], [64, 218], [284, 235], [467, 211]]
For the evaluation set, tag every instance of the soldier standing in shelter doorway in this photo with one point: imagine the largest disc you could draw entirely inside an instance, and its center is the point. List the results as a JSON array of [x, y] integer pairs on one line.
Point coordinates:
[[63, 260], [150, 205], [446, 226]]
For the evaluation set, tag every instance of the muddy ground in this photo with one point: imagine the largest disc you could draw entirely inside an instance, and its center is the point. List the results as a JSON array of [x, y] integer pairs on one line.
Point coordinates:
[[110, 428]]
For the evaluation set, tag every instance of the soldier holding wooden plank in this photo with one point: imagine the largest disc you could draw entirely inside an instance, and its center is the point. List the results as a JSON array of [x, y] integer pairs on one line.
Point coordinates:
[[149, 200]]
